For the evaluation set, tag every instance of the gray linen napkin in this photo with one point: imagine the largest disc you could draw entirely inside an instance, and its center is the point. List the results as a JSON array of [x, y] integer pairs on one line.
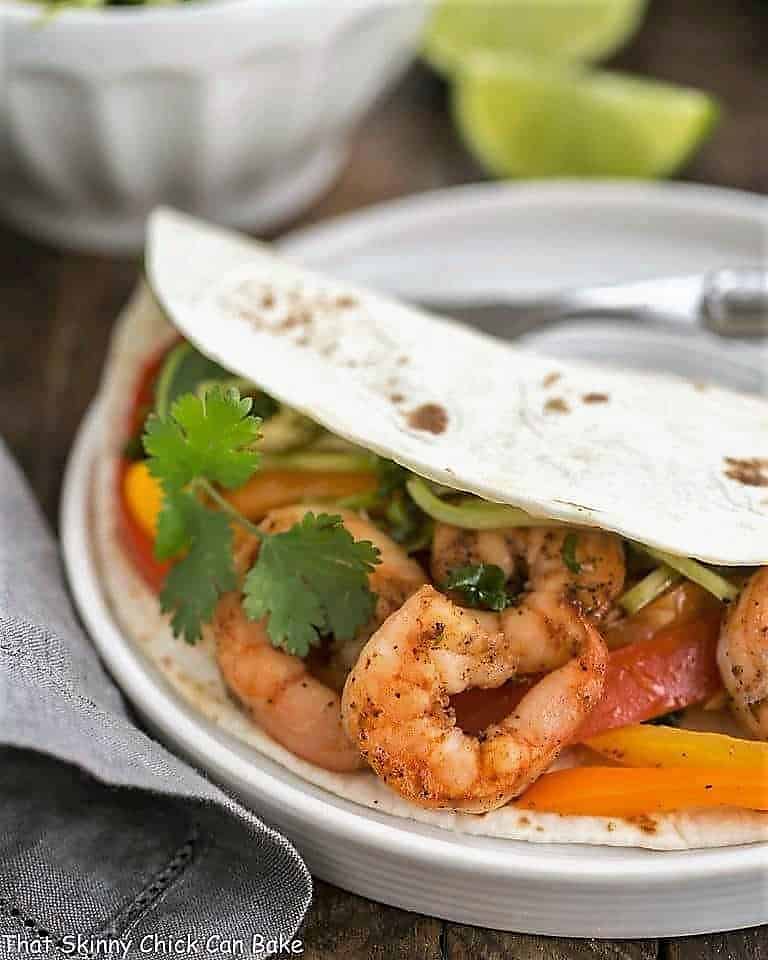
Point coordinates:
[[109, 845]]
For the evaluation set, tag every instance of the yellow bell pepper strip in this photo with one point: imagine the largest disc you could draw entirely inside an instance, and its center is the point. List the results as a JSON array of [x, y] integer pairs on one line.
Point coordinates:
[[143, 496], [136, 521], [644, 745], [635, 791]]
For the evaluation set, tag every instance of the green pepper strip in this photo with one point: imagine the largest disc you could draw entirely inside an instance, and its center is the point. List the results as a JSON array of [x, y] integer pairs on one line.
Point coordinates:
[[648, 589], [471, 513], [693, 570]]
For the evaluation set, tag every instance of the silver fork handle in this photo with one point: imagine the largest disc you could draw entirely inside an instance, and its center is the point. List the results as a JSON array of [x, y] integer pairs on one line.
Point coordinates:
[[734, 302]]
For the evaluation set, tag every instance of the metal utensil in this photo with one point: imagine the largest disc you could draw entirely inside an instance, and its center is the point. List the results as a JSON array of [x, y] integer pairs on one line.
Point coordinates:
[[731, 302]]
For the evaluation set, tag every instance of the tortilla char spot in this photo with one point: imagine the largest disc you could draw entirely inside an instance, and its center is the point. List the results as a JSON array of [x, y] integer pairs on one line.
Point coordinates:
[[396, 398], [595, 398], [524, 821], [556, 405], [430, 417], [750, 471], [346, 301], [551, 378]]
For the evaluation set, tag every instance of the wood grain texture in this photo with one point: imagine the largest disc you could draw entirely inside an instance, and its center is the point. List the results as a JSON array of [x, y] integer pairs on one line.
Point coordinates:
[[346, 927], [467, 943], [56, 310], [742, 945]]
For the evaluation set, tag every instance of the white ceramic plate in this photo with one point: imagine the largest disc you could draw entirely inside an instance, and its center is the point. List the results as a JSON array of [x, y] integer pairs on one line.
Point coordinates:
[[478, 240]]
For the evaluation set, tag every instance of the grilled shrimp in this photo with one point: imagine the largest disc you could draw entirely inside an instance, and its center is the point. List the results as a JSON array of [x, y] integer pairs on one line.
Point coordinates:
[[294, 707], [396, 704], [742, 654], [538, 627]]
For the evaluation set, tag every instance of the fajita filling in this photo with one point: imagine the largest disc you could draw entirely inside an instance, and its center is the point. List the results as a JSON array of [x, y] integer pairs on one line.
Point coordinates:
[[364, 616]]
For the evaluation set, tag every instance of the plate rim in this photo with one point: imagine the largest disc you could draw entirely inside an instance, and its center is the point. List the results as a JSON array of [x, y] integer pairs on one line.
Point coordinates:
[[336, 233]]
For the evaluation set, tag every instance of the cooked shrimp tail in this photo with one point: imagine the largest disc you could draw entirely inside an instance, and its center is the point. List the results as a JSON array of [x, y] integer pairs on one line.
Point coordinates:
[[396, 705], [293, 706]]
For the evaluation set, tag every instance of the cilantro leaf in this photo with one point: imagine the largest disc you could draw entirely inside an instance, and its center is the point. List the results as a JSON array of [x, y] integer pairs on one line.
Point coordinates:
[[311, 580], [172, 536], [482, 586], [568, 553], [191, 589], [210, 436]]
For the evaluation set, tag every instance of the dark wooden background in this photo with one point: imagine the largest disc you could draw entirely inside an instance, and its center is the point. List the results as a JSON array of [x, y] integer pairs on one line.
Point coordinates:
[[57, 309]]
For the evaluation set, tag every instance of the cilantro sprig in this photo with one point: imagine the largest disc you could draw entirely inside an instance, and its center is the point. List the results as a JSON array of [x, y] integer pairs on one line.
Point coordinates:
[[481, 585], [310, 580]]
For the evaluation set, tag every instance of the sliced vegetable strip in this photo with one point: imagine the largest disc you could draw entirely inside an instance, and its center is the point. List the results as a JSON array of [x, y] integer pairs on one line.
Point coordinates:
[[632, 792], [138, 543], [718, 586], [319, 462], [143, 496], [280, 488], [680, 604], [648, 589], [471, 513], [644, 745], [674, 669]]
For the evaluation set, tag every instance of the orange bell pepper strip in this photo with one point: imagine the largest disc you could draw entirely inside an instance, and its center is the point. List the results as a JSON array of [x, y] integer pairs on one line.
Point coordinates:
[[644, 745], [270, 489], [262, 493], [634, 791]]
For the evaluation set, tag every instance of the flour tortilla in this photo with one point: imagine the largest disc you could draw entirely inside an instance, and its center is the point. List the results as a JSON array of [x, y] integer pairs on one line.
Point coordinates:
[[191, 671], [645, 456]]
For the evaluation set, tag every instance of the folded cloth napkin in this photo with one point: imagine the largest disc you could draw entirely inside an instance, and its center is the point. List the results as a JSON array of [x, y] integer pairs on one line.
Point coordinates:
[[109, 845]]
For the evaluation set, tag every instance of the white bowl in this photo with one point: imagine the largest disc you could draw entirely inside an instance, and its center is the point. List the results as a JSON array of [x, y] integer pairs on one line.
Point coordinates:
[[238, 110]]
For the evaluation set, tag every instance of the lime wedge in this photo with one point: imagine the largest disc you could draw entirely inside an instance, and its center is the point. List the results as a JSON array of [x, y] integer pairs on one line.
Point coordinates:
[[558, 29], [523, 118]]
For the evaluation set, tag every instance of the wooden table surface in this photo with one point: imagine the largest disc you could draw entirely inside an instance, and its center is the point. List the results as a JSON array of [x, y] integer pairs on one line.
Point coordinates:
[[57, 309]]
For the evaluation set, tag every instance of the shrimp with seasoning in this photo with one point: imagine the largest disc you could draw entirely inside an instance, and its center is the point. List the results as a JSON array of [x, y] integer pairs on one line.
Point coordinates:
[[396, 705], [537, 627], [296, 708], [742, 654]]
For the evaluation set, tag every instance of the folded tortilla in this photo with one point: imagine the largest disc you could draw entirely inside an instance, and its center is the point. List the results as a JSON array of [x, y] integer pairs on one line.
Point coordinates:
[[456, 407]]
